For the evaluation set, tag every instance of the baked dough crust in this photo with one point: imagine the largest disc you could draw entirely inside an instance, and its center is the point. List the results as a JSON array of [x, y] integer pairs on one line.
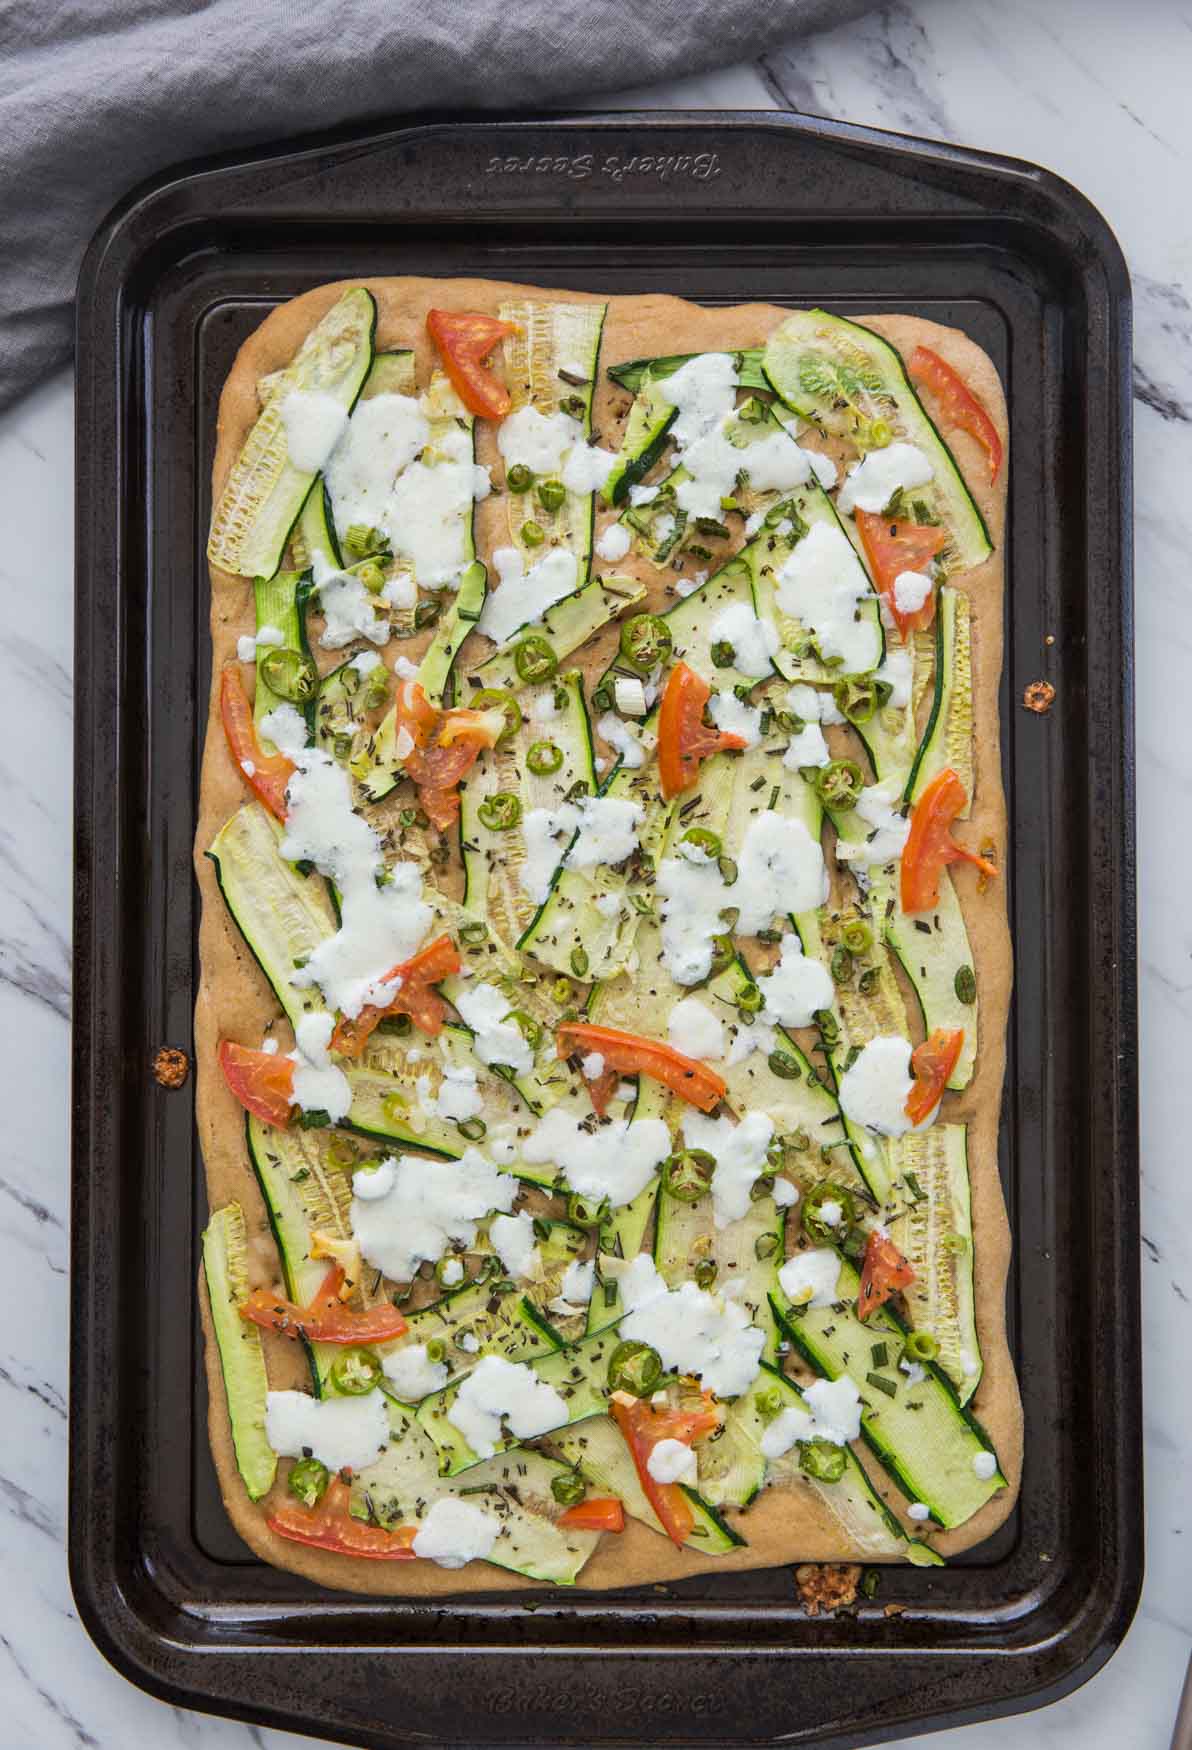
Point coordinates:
[[234, 1000]]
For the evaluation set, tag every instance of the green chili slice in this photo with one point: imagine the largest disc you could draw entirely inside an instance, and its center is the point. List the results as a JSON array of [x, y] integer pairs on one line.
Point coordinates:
[[355, 1372], [534, 659], [750, 1000], [857, 936], [822, 1459], [551, 494], [769, 1403], [687, 1175], [568, 1488], [703, 840], [705, 1272], [579, 961], [841, 965], [544, 757], [838, 784], [500, 699], [308, 1481], [583, 1212], [920, 1346], [527, 1026], [533, 534], [634, 1367], [519, 478], [814, 1225], [783, 1065], [722, 653], [965, 985], [289, 674], [426, 613], [645, 641], [856, 697], [501, 811]]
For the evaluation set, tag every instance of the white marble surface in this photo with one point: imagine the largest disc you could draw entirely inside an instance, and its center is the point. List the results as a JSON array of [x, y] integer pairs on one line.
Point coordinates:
[[1095, 89]]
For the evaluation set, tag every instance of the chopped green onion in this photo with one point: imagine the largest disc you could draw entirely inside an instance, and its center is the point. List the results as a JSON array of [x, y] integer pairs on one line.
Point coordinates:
[[551, 494], [822, 1459], [883, 1385]]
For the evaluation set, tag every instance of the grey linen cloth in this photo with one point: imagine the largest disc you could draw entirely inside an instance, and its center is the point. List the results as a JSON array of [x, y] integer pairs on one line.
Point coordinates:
[[98, 95]]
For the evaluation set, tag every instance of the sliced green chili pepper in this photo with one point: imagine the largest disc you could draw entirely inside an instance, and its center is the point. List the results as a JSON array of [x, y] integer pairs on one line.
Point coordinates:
[[765, 1246], [426, 613], [838, 784], [822, 1459], [920, 1346], [533, 534], [436, 1350], [728, 870], [722, 653], [568, 1488], [551, 494], [856, 696], [361, 540], [703, 840], [583, 1212], [544, 757], [471, 1129], [645, 641], [841, 965], [783, 1065], [965, 985], [634, 1367], [869, 980], [750, 999], [308, 1481], [705, 1272], [857, 936], [579, 961], [534, 659], [290, 675], [687, 1175], [814, 1225], [527, 1026], [722, 955], [355, 1372], [825, 1020], [519, 478], [500, 699], [501, 811], [762, 1186]]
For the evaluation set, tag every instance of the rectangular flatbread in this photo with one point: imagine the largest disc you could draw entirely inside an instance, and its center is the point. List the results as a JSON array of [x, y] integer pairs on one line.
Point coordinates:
[[656, 1199]]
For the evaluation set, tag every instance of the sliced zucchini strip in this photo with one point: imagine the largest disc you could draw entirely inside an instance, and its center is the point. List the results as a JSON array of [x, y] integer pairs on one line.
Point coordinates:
[[948, 734], [866, 1523], [848, 379], [564, 626], [934, 951], [553, 338], [403, 1484], [598, 1451], [921, 1433], [934, 1232], [241, 1357], [264, 492]]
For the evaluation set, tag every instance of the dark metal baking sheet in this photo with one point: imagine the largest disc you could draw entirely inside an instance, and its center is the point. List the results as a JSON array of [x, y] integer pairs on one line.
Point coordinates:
[[721, 209]]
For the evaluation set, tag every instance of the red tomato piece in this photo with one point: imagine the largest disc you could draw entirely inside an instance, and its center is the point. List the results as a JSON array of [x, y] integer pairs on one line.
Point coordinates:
[[416, 998], [883, 1273], [446, 744], [931, 1065], [597, 1513], [628, 1054], [643, 1427], [891, 547], [959, 408], [270, 773], [326, 1319], [329, 1525], [464, 339], [930, 846], [684, 739], [262, 1081]]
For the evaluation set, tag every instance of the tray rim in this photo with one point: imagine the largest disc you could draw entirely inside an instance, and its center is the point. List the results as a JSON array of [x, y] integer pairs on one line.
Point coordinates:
[[121, 1632]]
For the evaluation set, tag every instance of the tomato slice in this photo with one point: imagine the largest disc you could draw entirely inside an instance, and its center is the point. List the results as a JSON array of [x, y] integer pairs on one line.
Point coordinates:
[[931, 1065], [597, 1513], [262, 1081], [959, 408], [326, 1319], [684, 739], [463, 340], [417, 998], [270, 772], [443, 746], [628, 1054], [930, 846], [643, 1427], [883, 1273], [891, 547], [329, 1525]]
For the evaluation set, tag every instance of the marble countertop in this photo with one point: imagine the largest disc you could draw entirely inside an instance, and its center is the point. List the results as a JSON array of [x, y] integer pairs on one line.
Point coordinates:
[[1096, 91]]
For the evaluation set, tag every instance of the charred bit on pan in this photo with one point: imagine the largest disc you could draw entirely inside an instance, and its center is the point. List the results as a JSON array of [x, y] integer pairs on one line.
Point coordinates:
[[827, 1586], [1038, 696], [170, 1066]]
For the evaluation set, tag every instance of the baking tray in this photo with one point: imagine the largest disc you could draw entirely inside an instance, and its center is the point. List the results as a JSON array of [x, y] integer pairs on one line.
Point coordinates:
[[721, 209]]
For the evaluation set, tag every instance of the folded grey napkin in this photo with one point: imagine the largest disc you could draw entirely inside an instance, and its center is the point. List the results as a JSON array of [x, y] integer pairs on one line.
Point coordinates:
[[98, 95]]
